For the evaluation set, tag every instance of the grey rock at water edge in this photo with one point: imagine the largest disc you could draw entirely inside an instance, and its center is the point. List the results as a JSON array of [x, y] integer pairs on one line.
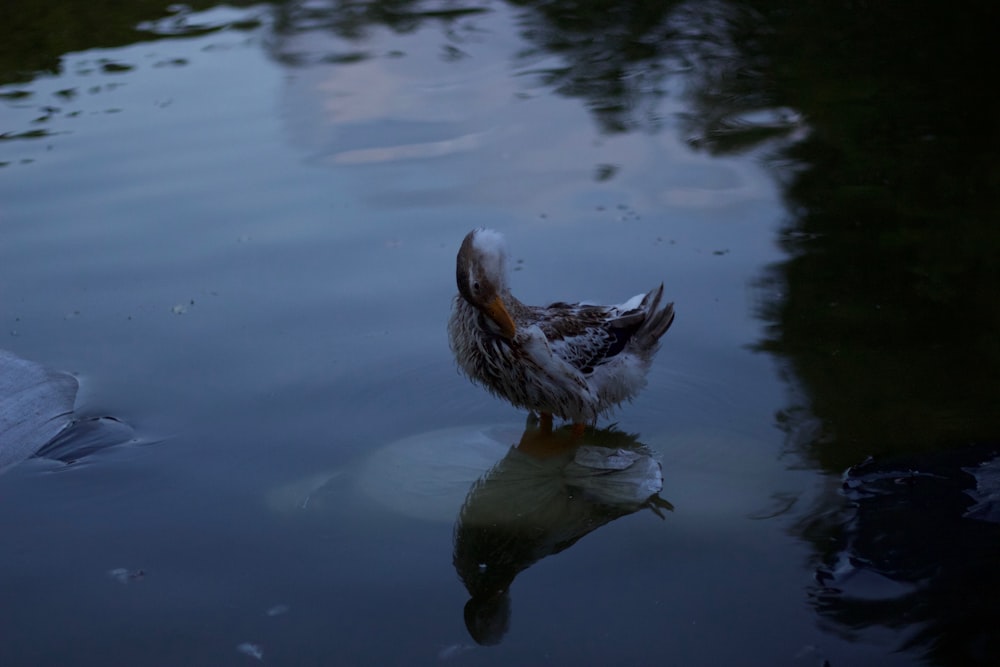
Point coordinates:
[[35, 405]]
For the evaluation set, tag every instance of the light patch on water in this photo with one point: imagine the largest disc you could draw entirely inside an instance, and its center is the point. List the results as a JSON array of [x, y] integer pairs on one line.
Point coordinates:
[[427, 476], [464, 143], [278, 610], [252, 650]]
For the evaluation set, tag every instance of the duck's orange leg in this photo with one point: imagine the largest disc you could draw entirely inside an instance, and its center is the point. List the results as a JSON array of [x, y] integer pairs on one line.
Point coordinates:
[[539, 441], [578, 429], [545, 421]]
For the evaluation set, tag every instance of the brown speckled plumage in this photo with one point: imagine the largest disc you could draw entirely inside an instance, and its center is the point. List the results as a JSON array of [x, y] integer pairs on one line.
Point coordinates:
[[575, 361]]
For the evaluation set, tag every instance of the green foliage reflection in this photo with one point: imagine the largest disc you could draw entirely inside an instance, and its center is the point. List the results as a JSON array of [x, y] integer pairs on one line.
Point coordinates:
[[35, 34], [887, 313]]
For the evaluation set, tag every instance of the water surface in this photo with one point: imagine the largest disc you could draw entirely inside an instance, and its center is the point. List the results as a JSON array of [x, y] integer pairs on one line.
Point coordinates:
[[237, 225]]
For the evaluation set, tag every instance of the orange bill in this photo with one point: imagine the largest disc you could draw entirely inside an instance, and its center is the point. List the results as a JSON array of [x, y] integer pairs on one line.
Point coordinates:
[[498, 313]]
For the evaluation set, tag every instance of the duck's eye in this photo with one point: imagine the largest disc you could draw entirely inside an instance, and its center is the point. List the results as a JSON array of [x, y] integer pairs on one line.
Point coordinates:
[[475, 286]]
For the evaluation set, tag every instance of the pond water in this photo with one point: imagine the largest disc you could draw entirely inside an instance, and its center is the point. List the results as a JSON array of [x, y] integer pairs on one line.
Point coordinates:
[[236, 225]]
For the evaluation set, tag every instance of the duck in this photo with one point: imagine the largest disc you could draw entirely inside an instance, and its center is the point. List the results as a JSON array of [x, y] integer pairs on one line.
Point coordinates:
[[574, 361]]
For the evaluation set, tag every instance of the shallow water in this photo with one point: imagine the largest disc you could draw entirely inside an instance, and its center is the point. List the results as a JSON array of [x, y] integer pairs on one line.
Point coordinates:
[[237, 227]]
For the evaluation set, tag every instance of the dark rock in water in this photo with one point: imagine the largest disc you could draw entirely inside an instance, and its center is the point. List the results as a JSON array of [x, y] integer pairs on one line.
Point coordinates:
[[920, 534], [987, 491], [961, 482], [35, 405]]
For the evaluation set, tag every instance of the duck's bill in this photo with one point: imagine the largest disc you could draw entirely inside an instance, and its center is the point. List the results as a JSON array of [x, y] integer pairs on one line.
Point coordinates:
[[498, 313]]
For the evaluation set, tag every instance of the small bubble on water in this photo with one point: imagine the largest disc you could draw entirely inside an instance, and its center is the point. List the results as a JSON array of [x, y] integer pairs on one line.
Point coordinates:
[[278, 610]]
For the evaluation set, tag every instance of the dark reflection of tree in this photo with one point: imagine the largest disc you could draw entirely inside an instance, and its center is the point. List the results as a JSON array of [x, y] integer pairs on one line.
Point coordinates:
[[352, 21], [546, 494], [35, 34], [614, 56], [886, 316]]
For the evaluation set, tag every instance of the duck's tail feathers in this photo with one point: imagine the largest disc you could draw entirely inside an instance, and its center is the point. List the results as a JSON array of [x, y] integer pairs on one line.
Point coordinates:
[[658, 320]]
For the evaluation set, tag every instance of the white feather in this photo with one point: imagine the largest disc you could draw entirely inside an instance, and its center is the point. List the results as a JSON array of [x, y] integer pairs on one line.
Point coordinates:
[[492, 249], [632, 303]]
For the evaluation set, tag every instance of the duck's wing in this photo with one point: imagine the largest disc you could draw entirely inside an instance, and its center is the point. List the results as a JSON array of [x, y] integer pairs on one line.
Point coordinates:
[[586, 336]]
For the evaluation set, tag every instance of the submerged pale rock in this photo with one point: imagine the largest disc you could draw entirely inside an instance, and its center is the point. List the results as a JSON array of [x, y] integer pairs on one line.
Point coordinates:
[[427, 476]]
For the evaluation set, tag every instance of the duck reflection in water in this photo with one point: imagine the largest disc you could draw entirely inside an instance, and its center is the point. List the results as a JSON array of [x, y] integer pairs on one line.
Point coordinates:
[[550, 490]]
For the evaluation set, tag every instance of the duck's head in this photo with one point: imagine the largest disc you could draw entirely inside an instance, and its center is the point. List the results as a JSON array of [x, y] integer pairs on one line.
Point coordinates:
[[482, 277]]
